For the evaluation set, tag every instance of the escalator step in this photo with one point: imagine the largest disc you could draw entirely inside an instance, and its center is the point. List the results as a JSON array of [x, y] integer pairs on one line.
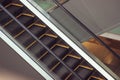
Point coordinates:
[[48, 40], [49, 60], [72, 62], [36, 50], [83, 72], [15, 10], [25, 38], [72, 77], [96, 76], [85, 63], [37, 30], [14, 28], [61, 71], [26, 19], [60, 51]]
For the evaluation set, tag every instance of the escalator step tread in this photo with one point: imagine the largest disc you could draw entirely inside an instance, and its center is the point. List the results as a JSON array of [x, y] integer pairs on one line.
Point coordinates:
[[48, 41], [72, 62], [37, 30], [83, 72], [14, 28], [12, 9], [72, 77], [4, 18], [5, 2], [49, 60], [37, 50], [25, 38], [61, 71], [96, 76], [26, 20], [60, 51], [85, 63]]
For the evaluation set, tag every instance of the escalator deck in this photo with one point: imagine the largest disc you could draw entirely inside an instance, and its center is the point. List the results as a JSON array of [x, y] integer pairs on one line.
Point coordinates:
[[63, 51]]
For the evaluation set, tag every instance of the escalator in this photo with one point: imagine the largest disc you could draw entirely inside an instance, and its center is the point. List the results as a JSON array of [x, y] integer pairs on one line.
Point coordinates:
[[57, 56]]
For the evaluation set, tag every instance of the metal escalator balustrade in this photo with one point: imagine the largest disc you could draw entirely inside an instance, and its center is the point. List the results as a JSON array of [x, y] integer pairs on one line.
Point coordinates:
[[49, 5], [100, 41], [44, 45], [86, 29]]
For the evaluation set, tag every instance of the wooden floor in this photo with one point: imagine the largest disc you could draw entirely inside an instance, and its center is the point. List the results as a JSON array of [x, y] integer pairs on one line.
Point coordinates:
[[103, 54]]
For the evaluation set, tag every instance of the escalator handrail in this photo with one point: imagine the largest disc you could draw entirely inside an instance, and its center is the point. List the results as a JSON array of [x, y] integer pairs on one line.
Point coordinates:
[[40, 42], [86, 29]]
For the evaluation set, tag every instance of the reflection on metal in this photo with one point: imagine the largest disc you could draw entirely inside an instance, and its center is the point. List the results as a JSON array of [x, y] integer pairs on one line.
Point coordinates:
[[109, 59], [25, 56], [111, 36], [48, 5], [36, 10]]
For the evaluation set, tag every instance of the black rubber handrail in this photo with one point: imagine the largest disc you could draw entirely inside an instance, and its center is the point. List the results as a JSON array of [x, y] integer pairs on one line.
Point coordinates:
[[39, 41], [85, 28]]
